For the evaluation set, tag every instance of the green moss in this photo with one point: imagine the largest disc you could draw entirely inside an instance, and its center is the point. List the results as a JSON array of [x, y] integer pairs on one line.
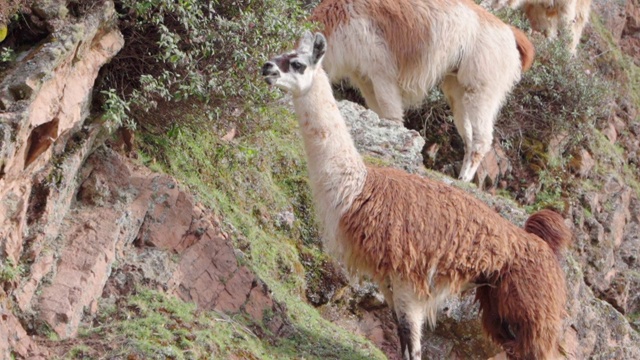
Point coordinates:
[[248, 181], [9, 271]]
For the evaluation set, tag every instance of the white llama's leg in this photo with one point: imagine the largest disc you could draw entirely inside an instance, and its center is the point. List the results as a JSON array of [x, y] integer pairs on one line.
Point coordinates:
[[388, 96], [366, 89], [475, 109], [542, 19], [567, 19], [581, 17], [454, 93], [410, 313]]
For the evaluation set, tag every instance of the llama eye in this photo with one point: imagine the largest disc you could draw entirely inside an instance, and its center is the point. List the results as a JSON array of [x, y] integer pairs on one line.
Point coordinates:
[[298, 66]]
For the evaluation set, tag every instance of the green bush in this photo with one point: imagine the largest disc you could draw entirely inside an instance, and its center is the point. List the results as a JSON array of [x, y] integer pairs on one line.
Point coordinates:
[[178, 53]]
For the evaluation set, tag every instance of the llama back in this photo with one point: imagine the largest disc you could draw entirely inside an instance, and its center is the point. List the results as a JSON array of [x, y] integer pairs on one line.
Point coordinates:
[[408, 225], [406, 37], [416, 41]]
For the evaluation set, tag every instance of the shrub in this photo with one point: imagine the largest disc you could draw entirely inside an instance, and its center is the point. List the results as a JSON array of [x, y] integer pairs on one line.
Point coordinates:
[[178, 53]]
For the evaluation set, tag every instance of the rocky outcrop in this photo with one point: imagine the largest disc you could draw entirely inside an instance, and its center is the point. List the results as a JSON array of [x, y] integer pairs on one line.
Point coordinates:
[[622, 19], [78, 224], [44, 101], [159, 236]]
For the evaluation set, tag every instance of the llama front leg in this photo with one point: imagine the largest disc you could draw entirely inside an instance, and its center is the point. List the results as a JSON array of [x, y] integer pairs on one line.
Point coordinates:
[[365, 86], [409, 313], [388, 97]]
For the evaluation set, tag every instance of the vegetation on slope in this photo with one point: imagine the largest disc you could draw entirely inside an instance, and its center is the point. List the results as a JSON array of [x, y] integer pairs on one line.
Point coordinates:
[[202, 114], [200, 74], [187, 82]]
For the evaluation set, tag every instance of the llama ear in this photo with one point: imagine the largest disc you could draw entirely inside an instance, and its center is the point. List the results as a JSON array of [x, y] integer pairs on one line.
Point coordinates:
[[306, 43], [319, 48]]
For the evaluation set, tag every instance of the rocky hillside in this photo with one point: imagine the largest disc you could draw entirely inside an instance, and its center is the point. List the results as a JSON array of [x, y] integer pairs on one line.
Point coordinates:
[[190, 233]]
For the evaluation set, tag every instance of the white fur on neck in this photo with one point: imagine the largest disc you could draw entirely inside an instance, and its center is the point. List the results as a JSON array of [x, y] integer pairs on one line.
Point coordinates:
[[336, 170]]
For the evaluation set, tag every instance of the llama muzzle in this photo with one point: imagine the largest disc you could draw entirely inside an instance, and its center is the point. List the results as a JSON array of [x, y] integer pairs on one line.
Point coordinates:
[[270, 72]]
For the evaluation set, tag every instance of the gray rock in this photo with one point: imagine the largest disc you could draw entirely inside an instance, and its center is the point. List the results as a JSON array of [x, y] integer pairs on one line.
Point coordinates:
[[385, 140]]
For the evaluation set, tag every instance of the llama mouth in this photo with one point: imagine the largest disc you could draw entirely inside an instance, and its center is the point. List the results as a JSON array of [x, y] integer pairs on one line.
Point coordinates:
[[271, 79]]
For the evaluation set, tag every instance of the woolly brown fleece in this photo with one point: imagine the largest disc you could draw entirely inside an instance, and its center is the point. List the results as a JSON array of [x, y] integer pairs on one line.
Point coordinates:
[[403, 225]]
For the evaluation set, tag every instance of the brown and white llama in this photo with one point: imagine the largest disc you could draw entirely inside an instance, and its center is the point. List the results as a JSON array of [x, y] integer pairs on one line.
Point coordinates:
[[396, 51], [419, 239], [548, 16]]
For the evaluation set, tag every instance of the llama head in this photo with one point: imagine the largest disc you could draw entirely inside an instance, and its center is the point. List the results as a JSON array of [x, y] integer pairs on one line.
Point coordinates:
[[295, 70]]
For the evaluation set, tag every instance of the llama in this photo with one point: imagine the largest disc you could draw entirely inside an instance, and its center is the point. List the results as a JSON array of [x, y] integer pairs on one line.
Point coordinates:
[[546, 16], [396, 51], [421, 240]]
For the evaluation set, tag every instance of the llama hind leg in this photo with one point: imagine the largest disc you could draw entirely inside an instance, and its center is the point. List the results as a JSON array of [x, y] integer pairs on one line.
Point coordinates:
[[454, 94], [474, 113], [581, 18], [567, 19]]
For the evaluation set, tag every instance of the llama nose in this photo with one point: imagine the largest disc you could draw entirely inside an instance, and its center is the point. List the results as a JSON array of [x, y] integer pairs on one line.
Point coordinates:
[[269, 68]]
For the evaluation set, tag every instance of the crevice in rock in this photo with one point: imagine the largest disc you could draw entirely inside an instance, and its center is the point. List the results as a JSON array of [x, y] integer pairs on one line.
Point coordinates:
[[28, 30], [37, 201], [40, 139], [20, 91]]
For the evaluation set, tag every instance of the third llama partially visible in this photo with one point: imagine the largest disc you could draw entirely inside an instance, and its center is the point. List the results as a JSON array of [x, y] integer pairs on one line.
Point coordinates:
[[396, 51], [548, 16]]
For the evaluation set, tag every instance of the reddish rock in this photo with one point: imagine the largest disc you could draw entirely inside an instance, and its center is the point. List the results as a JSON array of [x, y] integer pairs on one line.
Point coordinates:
[[80, 274], [494, 166], [582, 163], [42, 110], [14, 340]]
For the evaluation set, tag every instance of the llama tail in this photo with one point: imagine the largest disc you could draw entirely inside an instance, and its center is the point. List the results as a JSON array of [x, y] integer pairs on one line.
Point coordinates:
[[549, 226], [515, 313], [525, 48]]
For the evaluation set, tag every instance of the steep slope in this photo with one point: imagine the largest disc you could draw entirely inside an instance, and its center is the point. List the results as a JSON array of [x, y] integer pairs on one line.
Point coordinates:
[[101, 256]]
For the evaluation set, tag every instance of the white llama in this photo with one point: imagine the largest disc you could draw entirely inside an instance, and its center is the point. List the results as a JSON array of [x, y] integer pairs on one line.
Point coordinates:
[[420, 239], [548, 16], [396, 51]]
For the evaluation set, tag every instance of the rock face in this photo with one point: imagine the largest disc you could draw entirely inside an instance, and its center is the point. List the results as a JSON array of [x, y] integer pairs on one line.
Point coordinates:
[[44, 101], [622, 18], [69, 212]]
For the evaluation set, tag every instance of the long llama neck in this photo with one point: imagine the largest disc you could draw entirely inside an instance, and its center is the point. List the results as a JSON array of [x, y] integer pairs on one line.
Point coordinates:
[[336, 170]]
